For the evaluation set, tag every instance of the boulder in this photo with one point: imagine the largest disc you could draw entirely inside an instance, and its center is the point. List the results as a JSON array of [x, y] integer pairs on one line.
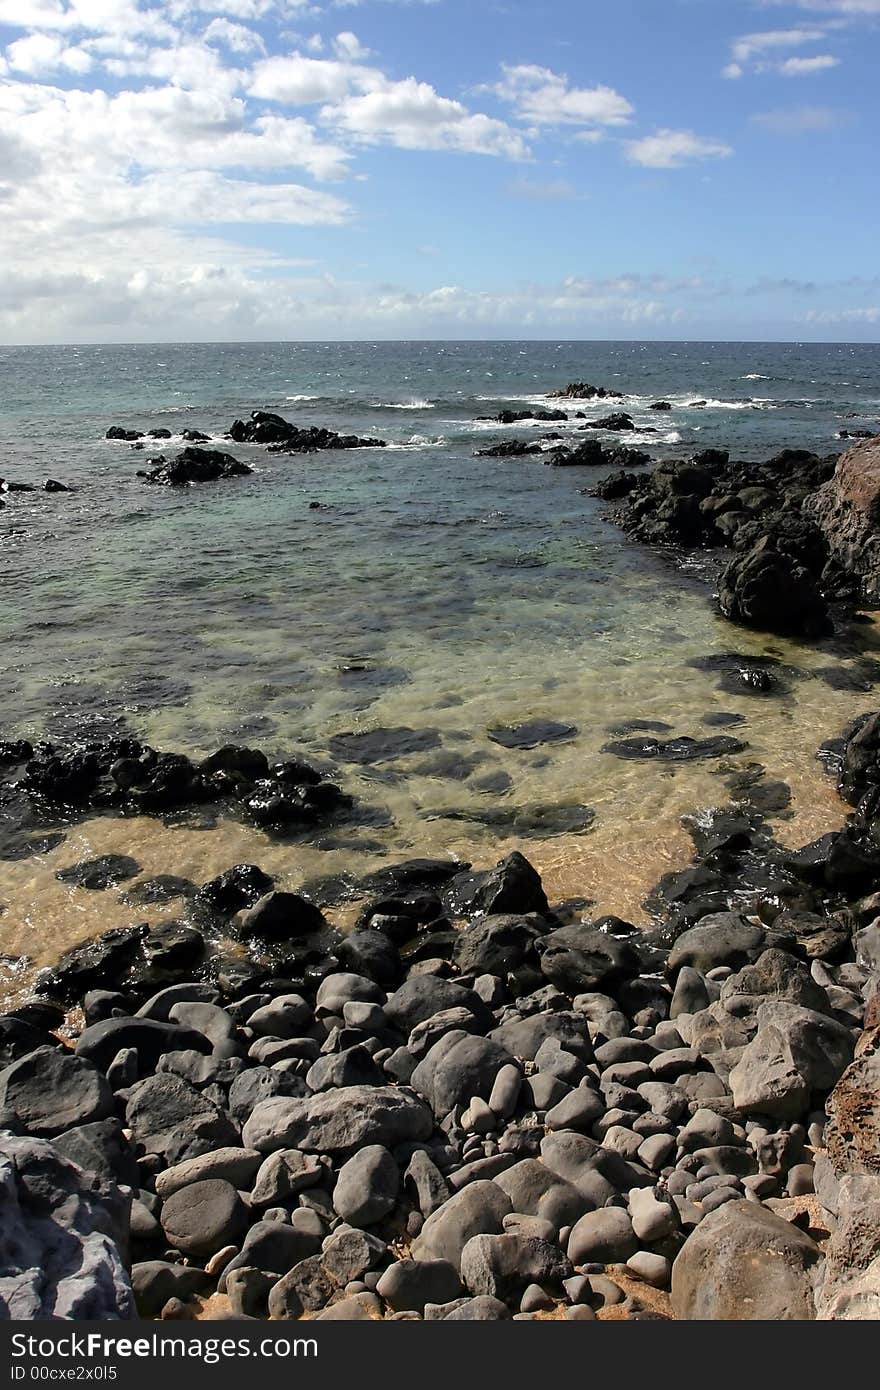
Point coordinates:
[[63, 1239], [602, 1237], [367, 1186], [410, 1284], [195, 465], [203, 1217], [579, 959], [458, 1067], [478, 1209], [847, 508], [513, 886], [169, 1117], [51, 1090], [767, 589], [337, 1122], [794, 1054], [852, 1132], [503, 1266], [722, 938], [745, 1264], [496, 945]]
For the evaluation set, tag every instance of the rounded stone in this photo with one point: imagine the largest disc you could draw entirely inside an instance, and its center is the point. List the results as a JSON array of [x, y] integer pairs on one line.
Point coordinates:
[[202, 1218]]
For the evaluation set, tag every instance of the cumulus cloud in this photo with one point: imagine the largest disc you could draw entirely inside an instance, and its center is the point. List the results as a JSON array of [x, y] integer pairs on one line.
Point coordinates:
[[238, 38], [413, 116], [546, 98], [672, 149]]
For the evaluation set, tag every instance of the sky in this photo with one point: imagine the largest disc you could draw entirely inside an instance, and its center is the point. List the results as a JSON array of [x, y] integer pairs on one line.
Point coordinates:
[[407, 169]]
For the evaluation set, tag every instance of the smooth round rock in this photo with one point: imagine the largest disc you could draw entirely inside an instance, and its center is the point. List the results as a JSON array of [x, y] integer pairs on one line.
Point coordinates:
[[200, 1219]]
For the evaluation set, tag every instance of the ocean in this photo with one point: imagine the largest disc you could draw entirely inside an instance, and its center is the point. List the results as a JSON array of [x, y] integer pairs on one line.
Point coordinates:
[[432, 590]]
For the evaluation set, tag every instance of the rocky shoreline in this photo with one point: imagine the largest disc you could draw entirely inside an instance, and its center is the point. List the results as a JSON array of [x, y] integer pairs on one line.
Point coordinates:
[[477, 1104], [472, 1106]]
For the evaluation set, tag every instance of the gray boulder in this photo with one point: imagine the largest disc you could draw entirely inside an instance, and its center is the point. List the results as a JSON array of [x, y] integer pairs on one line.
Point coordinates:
[[202, 1218], [367, 1186], [503, 1266], [794, 1053], [63, 1238], [410, 1284], [337, 1122], [745, 1264], [171, 1118], [478, 1209], [459, 1066], [722, 938], [51, 1090]]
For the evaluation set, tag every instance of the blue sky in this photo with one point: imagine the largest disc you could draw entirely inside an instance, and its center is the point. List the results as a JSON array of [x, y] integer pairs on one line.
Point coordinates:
[[258, 169]]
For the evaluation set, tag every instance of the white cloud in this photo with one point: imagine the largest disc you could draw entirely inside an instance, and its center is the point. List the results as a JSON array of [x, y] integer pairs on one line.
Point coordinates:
[[348, 46], [238, 38], [46, 53], [805, 67], [301, 81], [545, 98], [751, 45], [672, 149], [413, 116]]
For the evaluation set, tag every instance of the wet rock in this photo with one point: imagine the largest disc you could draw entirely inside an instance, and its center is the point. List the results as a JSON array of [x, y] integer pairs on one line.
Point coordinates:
[[767, 589], [674, 750], [513, 886], [579, 959], [237, 888], [194, 465], [383, 745], [532, 734], [278, 917], [98, 874]]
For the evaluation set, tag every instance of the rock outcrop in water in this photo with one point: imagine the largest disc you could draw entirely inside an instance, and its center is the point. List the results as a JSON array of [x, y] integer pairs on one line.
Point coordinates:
[[584, 391], [126, 774], [194, 465], [283, 437], [471, 1107], [784, 572]]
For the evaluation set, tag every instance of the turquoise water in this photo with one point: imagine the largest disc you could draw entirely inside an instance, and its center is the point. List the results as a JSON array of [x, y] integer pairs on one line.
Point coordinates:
[[433, 590]]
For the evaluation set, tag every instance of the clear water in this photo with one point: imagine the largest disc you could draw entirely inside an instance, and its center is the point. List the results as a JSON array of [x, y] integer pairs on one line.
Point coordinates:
[[433, 590]]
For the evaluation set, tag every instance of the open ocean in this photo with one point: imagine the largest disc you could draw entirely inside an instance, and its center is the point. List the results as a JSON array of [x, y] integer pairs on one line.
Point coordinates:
[[433, 590]]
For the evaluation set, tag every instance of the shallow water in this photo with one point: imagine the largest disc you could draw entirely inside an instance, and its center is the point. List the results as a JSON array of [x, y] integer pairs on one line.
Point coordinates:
[[436, 591]]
